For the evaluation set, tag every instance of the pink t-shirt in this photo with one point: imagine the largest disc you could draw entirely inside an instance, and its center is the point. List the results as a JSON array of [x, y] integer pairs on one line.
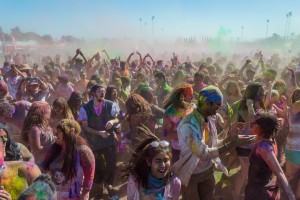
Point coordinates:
[[64, 91]]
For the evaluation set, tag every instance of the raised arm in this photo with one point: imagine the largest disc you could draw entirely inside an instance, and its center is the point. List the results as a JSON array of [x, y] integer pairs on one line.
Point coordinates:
[[128, 59], [241, 73], [104, 51], [75, 56]]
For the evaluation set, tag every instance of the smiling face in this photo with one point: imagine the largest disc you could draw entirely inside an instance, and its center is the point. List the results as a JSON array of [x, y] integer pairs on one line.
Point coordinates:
[[59, 137], [4, 139], [160, 165], [99, 94]]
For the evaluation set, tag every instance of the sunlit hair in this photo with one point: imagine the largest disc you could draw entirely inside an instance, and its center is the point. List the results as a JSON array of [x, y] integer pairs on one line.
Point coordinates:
[[73, 103], [36, 116], [141, 156], [250, 93], [280, 84], [176, 97], [136, 104], [268, 124], [179, 77], [296, 91], [71, 130], [235, 85], [61, 103]]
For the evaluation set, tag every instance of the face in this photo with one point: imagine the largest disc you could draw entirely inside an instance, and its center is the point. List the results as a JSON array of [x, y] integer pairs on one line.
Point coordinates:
[[58, 136], [59, 177], [99, 94], [33, 88], [213, 107], [114, 94], [255, 129], [232, 89], [259, 95], [160, 165], [4, 139], [188, 98], [83, 76], [158, 80], [250, 75], [58, 109], [78, 103]]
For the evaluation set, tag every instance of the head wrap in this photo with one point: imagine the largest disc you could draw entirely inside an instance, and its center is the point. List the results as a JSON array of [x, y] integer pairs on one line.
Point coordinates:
[[188, 90], [210, 94]]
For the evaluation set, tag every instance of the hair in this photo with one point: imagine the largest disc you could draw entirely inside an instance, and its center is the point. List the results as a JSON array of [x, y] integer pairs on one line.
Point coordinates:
[[36, 117], [6, 108], [108, 93], [61, 102], [63, 79], [234, 84], [71, 130], [250, 93], [42, 189], [12, 150], [160, 75], [297, 90], [136, 104], [147, 95], [200, 74], [280, 84], [141, 156], [268, 124], [72, 103], [175, 97], [179, 77]]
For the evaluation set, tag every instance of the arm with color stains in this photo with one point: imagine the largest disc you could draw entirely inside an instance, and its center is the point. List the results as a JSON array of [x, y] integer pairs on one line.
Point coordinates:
[[87, 162], [25, 153], [30, 171]]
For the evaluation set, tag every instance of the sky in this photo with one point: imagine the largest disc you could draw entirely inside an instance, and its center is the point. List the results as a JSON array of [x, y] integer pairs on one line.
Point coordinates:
[[91, 19]]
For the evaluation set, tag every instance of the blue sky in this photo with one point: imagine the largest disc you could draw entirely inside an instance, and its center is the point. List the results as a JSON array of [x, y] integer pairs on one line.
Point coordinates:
[[172, 18]]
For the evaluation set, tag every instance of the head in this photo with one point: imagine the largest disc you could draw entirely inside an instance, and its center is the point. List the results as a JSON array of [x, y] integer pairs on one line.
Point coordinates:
[[255, 92], [33, 85], [41, 189], [147, 94], [269, 75], [250, 74], [125, 81], [138, 109], [111, 93], [210, 100], [181, 97], [264, 126], [6, 110], [63, 80], [233, 88], [141, 77], [67, 137], [159, 77], [83, 75], [123, 65], [296, 95], [98, 92], [280, 86], [61, 108], [75, 101], [11, 149], [38, 115], [151, 156], [199, 77]]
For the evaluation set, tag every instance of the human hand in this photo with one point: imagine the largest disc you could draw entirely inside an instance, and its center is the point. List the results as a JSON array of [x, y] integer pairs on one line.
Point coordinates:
[[4, 195], [235, 129], [109, 125], [104, 134]]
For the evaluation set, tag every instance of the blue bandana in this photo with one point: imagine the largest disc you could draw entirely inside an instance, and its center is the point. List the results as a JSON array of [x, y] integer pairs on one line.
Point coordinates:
[[210, 94]]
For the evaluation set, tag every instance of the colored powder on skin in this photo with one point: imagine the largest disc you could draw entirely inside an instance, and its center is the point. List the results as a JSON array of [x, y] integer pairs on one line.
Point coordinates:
[[16, 185]]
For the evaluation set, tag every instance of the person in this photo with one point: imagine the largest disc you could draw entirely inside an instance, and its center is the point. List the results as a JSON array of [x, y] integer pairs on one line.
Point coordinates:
[[41, 189], [148, 171], [75, 102], [36, 131], [13, 114], [177, 106], [198, 146], [162, 87], [263, 162], [13, 78], [80, 86], [60, 110], [244, 111], [3, 90], [70, 162], [13, 150], [15, 176], [64, 88], [34, 89], [198, 83], [98, 118]]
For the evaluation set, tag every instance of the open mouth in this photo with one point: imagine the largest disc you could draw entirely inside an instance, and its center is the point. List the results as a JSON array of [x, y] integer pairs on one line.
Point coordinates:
[[162, 171]]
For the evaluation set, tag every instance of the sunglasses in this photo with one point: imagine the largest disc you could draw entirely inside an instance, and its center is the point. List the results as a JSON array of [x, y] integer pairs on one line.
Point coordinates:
[[162, 143]]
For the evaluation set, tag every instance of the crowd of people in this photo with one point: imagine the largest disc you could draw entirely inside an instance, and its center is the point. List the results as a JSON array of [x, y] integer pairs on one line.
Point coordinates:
[[181, 130]]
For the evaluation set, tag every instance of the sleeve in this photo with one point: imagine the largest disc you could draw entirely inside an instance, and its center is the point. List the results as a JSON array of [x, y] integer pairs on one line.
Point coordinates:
[[175, 188], [82, 115], [87, 161], [264, 148], [195, 142], [114, 110], [132, 189]]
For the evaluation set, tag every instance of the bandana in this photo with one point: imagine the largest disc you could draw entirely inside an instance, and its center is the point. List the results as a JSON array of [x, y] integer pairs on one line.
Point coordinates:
[[210, 94]]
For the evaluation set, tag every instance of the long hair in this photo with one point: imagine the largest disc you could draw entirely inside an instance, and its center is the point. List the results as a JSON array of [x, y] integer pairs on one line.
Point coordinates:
[[108, 93], [36, 116], [293, 100], [234, 84], [71, 130], [136, 104], [280, 84], [250, 93], [62, 103], [141, 156], [12, 151], [73, 103], [175, 97]]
